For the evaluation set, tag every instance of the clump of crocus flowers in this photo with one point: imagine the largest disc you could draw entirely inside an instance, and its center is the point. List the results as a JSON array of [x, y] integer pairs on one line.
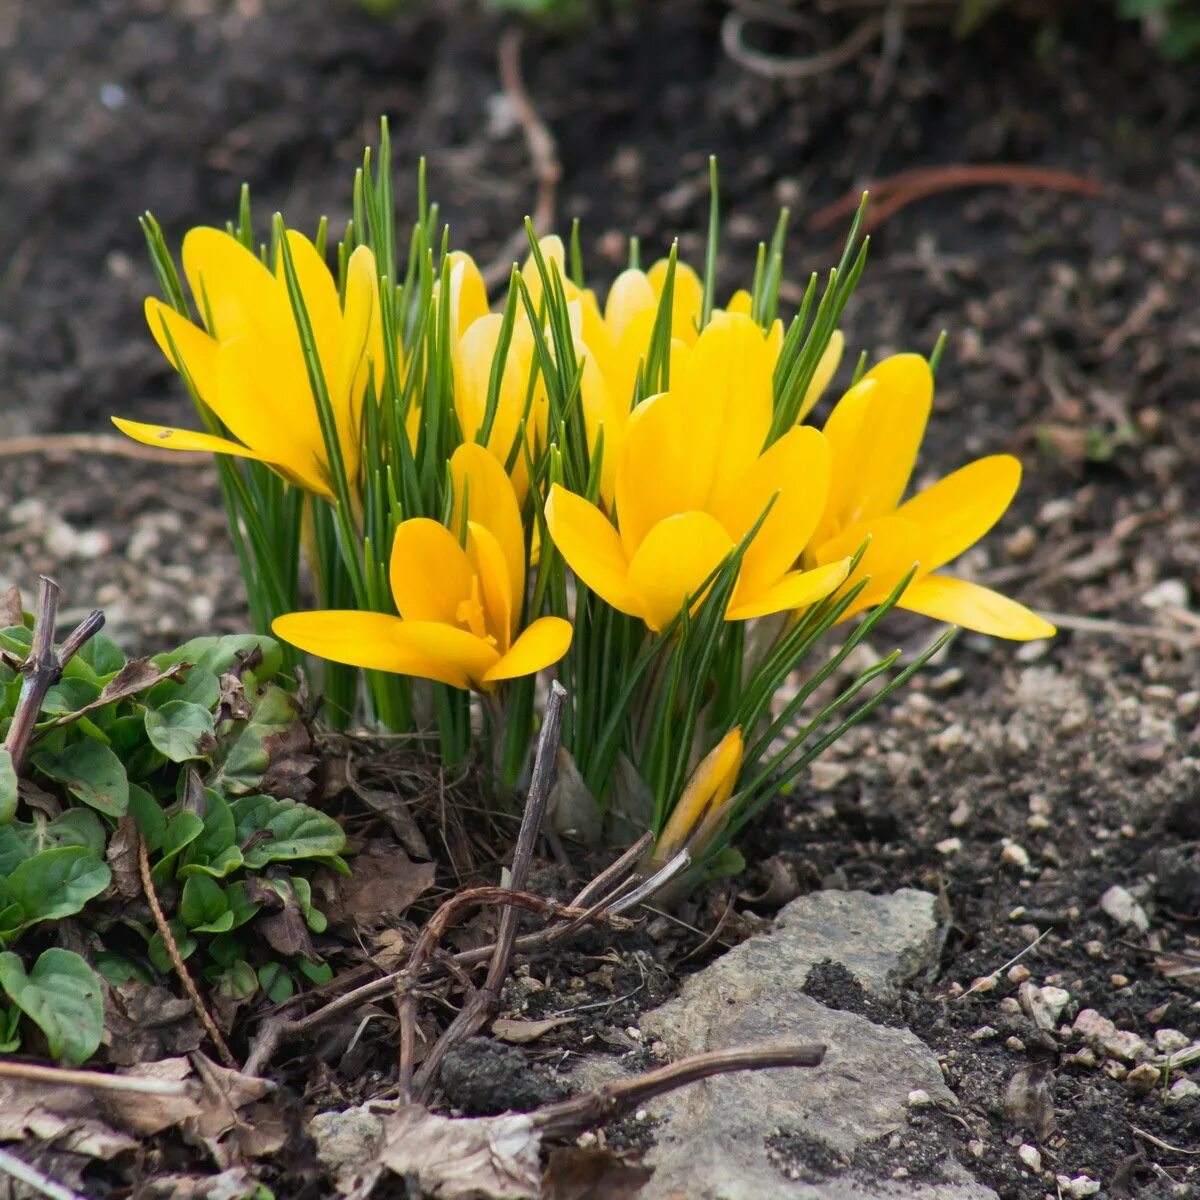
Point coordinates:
[[475, 488]]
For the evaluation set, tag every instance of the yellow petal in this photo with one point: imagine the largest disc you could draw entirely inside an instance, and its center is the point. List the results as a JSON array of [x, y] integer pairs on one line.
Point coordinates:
[[480, 482], [794, 473], [875, 432], [740, 302], [361, 639], [957, 511], [430, 572], [652, 481], [710, 786], [958, 602], [468, 294], [673, 562], [591, 547], [496, 590], [893, 549], [267, 403], [687, 298], [347, 387], [462, 659], [727, 394], [826, 369], [541, 644], [555, 258], [232, 286], [629, 297], [182, 439], [320, 293], [797, 589], [472, 379], [197, 351]]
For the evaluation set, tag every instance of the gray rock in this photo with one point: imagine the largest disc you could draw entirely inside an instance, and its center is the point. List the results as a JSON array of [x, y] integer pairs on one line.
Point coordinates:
[[716, 1139]]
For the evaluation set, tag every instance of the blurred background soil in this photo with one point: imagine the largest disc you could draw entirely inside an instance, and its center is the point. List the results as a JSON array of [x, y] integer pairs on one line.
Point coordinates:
[[1073, 342]]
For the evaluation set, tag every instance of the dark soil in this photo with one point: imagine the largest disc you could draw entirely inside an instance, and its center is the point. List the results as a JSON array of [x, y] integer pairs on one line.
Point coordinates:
[[1022, 783]]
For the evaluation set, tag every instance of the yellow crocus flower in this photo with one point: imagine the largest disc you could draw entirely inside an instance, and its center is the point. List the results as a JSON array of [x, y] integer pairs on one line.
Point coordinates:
[[692, 480], [249, 367], [459, 606], [874, 434], [702, 810]]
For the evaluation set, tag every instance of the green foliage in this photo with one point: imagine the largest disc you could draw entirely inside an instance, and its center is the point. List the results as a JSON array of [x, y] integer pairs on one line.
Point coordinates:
[[174, 752]]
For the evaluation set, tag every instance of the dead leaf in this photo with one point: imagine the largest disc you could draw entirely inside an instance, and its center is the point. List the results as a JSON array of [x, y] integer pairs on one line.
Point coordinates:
[[50, 1113], [137, 675], [122, 858], [396, 813], [234, 1184], [1182, 969], [481, 1158], [382, 886], [1029, 1100], [145, 1023], [10, 608], [232, 704], [575, 1173], [521, 1032], [281, 922], [290, 765], [782, 885], [572, 807]]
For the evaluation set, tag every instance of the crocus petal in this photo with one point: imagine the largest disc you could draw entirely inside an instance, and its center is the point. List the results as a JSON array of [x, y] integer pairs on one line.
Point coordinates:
[[875, 432], [232, 286], [542, 643], [629, 296], [495, 586], [726, 393], [740, 302], [826, 369], [481, 484], [349, 383], [958, 602], [182, 439], [793, 478], [687, 298], [267, 403], [360, 639], [710, 786], [652, 471], [320, 293], [957, 511], [197, 351], [462, 658], [797, 589], [592, 548], [430, 572], [892, 549], [468, 293], [673, 562]]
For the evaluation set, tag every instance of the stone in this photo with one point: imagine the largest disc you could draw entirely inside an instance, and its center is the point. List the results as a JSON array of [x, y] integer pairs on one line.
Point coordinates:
[[1030, 1156], [1167, 1041], [733, 1137], [1143, 1078], [1183, 1091], [1102, 1035], [1119, 905], [1042, 1005]]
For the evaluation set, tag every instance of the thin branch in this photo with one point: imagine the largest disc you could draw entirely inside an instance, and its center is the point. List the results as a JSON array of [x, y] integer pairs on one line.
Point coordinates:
[[169, 944], [97, 1080], [26, 1173], [99, 443], [484, 1000], [570, 1117], [614, 875]]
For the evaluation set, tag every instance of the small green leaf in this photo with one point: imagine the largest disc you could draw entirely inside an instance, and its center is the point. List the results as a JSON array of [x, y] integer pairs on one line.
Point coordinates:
[[102, 654], [240, 905], [202, 902], [296, 831], [238, 982], [68, 696], [274, 979], [117, 969], [180, 731], [157, 951], [243, 758], [14, 849], [75, 827], [92, 773], [62, 996], [200, 686], [57, 883], [8, 788], [317, 973], [149, 817], [219, 654]]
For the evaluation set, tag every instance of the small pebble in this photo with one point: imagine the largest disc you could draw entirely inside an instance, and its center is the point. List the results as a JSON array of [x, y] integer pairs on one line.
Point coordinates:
[[1030, 1156], [1078, 1187], [1018, 974], [948, 846], [1143, 1078], [1170, 1040], [983, 1033], [1183, 1091], [1119, 980], [919, 1098], [1015, 1045], [976, 1148], [1102, 1035], [1014, 854], [960, 815], [1119, 904], [1094, 949]]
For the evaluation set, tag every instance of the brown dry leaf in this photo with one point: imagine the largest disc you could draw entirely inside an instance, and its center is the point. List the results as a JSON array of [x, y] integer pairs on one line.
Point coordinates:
[[51, 1113], [146, 1023], [575, 1173], [10, 608], [520, 1032], [234, 1184], [137, 675], [384, 883], [283, 925], [1183, 970], [1029, 1100], [232, 704], [782, 885], [483, 1158], [122, 858], [290, 769], [398, 816]]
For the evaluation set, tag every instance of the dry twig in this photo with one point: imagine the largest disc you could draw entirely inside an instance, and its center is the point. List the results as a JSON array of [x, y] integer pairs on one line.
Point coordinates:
[[96, 1080], [164, 931], [43, 668], [98, 443], [26, 1173]]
